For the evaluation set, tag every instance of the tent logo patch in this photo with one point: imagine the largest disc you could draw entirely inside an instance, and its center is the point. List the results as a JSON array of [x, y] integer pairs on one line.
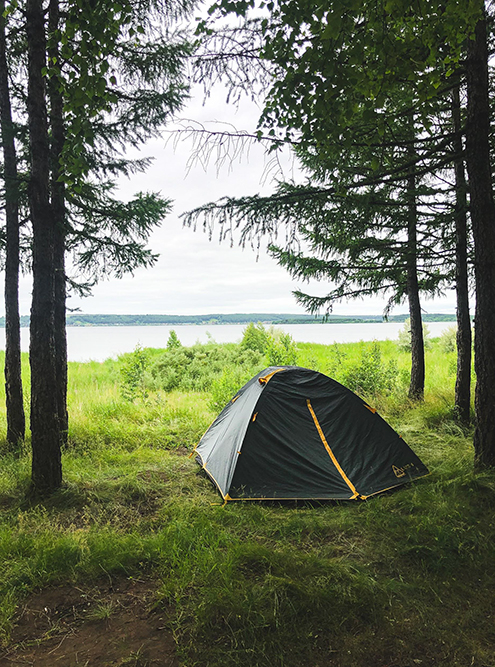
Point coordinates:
[[401, 472]]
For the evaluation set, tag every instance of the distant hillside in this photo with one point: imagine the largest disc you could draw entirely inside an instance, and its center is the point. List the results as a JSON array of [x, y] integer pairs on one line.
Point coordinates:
[[80, 320]]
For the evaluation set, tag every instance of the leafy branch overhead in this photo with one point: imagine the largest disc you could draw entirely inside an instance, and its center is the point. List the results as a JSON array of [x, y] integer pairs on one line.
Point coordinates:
[[372, 97]]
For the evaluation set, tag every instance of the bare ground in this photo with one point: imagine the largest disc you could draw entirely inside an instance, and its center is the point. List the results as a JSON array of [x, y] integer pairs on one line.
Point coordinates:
[[114, 623]]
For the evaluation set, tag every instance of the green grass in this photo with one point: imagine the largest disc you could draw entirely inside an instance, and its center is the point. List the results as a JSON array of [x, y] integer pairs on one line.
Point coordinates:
[[404, 579]]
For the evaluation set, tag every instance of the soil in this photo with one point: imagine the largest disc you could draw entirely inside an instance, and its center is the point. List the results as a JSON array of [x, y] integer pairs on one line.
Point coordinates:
[[114, 623]]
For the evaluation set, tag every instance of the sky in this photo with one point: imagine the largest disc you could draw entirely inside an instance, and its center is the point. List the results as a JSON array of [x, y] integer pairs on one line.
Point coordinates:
[[194, 275]]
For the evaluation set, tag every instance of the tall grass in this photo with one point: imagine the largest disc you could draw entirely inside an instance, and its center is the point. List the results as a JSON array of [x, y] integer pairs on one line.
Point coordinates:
[[403, 579]]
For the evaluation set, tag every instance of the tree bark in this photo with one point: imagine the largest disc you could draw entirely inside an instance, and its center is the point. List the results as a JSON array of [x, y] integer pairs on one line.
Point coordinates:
[[46, 465], [417, 385], [58, 209], [16, 422], [483, 222], [61, 336], [464, 337]]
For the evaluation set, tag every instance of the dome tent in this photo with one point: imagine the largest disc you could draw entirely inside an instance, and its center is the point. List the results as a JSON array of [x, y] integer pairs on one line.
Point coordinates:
[[294, 433]]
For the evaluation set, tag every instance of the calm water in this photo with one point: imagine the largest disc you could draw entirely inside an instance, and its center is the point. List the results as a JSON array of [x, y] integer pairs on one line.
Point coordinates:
[[99, 343]]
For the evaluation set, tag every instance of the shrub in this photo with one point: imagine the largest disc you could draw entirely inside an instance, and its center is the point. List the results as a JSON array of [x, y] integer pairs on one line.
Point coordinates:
[[195, 368], [281, 352], [404, 338], [448, 340], [132, 374], [336, 361], [225, 386], [255, 337], [278, 347], [173, 340], [371, 376]]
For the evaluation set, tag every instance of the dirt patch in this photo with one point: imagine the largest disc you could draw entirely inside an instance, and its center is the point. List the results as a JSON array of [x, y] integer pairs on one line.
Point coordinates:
[[182, 451], [112, 624]]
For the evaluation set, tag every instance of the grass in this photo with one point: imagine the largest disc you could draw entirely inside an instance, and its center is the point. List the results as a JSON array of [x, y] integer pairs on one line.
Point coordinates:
[[403, 579]]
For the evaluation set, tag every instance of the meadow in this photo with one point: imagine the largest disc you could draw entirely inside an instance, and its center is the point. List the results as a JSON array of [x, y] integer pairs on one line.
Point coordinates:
[[405, 578]]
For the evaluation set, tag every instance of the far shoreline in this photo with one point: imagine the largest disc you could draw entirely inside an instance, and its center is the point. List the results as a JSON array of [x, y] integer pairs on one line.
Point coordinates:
[[267, 319]]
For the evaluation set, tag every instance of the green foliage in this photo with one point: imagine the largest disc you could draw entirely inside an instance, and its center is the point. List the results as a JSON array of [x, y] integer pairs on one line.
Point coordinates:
[[118, 71], [173, 340], [448, 341], [371, 376], [421, 46], [339, 95], [132, 373], [404, 337], [337, 358], [255, 337], [281, 351], [278, 347], [224, 387], [194, 368]]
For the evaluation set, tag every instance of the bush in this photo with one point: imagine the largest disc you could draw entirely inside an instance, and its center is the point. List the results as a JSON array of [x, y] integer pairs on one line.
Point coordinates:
[[278, 347], [371, 376], [195, 368], [255, 337], [132, 374], [336, 361], [173, 340], [281, 352], [404, 338], [448, 340], [226, 386]]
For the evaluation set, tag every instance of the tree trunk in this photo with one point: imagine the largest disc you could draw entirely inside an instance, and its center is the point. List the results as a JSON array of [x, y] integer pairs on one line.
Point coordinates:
[[483, 222], [417, 385], [58, 208], [61, 336], [16, 423], [46, 465], [464, 339]]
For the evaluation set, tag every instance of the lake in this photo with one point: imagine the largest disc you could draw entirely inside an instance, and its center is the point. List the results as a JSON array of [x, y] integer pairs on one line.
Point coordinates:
[[99, 343]]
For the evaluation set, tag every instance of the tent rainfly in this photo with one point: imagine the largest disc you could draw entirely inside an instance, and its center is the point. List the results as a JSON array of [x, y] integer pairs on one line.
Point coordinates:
[[293, 433]]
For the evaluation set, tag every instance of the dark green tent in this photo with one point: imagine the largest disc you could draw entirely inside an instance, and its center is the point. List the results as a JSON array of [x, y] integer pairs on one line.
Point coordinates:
[[293, 433]]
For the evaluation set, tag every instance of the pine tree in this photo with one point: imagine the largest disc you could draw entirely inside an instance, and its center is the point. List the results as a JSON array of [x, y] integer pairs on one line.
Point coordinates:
[[341, 61], [91, 119], [45, 431]]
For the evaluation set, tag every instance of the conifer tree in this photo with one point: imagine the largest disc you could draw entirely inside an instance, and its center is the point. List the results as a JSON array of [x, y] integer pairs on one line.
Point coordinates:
[[45, 431], [332, 63], [81, 117]]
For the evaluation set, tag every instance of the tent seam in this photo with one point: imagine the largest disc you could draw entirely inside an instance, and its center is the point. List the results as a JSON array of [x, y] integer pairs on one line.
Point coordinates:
[[330, 452]]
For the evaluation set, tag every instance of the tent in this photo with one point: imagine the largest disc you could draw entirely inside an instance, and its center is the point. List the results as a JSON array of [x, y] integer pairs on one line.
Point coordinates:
[[294, 433]]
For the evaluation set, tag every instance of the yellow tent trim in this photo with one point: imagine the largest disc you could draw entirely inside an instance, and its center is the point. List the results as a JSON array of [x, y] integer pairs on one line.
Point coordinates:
[[373, 410], [305, 498], [216, 483], [268, 377], [388, 488], [355, 493]]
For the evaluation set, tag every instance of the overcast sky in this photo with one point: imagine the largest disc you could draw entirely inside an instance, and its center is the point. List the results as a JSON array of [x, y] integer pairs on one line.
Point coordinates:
[[195, 275]]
